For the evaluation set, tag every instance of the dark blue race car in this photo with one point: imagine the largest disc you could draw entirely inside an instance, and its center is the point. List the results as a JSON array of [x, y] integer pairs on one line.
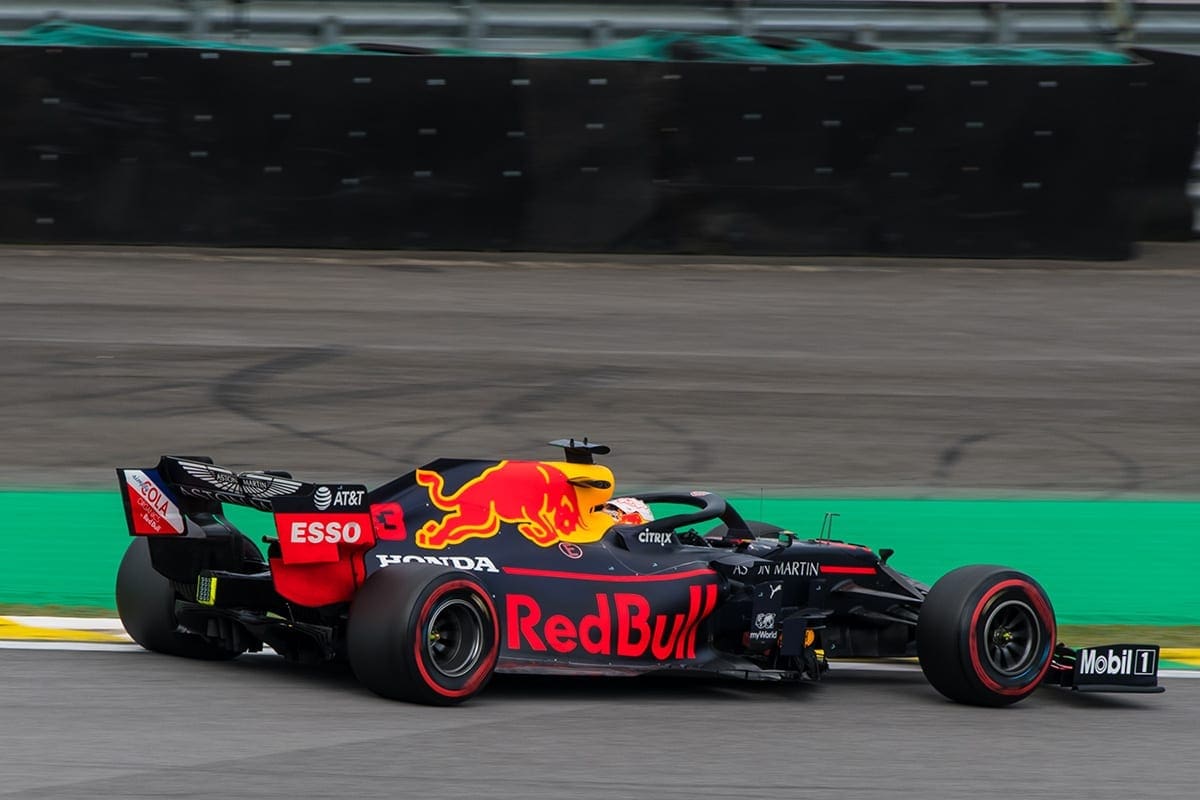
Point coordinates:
[[434, 581]]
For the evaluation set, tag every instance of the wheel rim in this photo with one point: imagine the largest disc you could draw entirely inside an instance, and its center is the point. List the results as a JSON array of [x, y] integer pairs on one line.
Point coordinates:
[[1011, 635], [454, 637]]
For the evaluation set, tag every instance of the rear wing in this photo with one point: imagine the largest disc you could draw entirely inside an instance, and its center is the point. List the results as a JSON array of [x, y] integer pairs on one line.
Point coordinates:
[[322, 529], [160, 499], [315, 523]]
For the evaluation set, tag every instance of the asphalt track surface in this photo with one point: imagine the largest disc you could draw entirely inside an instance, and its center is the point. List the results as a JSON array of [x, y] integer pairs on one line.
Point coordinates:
[[918, 379], [818, 375], [85, 725]]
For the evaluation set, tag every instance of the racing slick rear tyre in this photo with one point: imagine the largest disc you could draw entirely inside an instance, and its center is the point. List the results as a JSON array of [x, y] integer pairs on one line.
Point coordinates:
[[146, 606], [986, 635], [423, 633]]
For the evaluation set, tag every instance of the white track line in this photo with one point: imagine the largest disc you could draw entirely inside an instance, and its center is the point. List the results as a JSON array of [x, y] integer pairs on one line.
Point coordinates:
[[839, 666], [90, 647], [867, 666]]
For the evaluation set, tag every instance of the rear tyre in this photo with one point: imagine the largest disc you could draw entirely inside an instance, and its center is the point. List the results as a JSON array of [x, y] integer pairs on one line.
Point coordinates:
[[423, 633], [146, 605], [986, 635]]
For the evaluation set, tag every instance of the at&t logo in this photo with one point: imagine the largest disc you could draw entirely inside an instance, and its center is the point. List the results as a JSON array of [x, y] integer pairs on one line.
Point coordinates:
[[322, 498]]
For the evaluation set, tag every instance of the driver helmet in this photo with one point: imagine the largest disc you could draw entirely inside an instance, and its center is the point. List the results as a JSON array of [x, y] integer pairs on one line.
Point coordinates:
[[628, 511]]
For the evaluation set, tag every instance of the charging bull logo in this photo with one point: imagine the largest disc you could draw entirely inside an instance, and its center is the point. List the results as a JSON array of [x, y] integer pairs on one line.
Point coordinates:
[[537, 497]]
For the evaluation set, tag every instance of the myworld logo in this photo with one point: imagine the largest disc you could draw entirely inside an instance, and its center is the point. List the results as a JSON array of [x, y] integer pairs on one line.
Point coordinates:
[[1123, 661]]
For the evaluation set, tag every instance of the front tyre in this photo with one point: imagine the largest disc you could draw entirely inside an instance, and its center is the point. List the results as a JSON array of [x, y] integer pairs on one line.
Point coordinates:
[[986, 635], [423, 633], [146, 606]]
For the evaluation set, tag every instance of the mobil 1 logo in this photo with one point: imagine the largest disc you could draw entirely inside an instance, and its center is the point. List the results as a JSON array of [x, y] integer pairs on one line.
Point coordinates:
[[1133, 665]]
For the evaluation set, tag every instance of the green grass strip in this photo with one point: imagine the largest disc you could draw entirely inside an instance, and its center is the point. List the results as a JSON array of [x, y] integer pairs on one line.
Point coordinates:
[[1102, 561]]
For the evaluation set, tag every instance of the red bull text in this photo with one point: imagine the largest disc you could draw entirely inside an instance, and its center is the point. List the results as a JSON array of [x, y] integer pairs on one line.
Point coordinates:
[[623, 625]]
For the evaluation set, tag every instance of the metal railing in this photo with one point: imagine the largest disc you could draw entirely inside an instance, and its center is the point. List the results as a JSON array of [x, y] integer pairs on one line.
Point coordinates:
[[553, 25]]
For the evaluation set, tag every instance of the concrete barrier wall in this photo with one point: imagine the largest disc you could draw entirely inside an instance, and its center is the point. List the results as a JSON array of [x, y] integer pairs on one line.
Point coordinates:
[[189, 146]]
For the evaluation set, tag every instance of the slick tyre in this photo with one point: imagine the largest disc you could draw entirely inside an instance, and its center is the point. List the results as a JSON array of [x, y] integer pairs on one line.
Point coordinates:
[[986, 635], [423, 633], [146, 605]]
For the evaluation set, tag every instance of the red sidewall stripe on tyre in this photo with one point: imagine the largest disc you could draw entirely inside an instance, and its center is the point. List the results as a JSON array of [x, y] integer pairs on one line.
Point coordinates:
[[485, 667], [1047, 616]]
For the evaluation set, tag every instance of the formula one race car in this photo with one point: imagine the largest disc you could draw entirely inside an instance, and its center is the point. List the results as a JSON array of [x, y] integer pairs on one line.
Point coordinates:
[[432, 582]]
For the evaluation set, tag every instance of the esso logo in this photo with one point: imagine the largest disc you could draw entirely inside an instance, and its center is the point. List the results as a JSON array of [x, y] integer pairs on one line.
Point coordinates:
[[328, 532]]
